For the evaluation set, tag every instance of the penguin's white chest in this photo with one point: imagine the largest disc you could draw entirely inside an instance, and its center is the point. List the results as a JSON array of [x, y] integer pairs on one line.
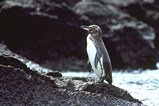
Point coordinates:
[[91, 51]]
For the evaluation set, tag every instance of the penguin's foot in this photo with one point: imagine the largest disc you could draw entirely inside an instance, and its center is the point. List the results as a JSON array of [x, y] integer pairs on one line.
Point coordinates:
[[92, 70], [101, 80]]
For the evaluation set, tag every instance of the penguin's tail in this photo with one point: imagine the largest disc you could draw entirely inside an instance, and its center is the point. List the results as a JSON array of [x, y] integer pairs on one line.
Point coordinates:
[[108, 77]]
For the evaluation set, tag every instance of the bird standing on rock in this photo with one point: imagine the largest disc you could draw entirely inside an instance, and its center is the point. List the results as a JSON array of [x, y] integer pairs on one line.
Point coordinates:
[[97, 53]]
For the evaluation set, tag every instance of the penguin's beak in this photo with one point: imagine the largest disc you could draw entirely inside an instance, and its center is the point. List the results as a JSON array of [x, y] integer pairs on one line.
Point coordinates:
[[85, 27]]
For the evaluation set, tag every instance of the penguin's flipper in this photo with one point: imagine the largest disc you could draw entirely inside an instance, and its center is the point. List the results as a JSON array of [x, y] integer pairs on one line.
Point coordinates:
[[97, 57]]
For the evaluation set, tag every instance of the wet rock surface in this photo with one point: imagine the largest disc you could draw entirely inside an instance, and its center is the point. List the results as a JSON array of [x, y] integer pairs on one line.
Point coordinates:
[[48, 32], [20, 85]]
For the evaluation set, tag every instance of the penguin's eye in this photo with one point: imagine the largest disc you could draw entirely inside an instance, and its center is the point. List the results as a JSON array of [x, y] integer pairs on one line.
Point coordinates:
[[91, 28]]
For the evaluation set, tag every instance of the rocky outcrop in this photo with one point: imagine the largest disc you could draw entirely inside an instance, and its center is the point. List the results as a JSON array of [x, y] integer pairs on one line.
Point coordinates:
[[148, 13], [48, 32], [43, 31], [23, 85]]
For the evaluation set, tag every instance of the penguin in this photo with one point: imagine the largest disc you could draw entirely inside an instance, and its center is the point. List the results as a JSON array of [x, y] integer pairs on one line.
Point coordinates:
[[98, 54]]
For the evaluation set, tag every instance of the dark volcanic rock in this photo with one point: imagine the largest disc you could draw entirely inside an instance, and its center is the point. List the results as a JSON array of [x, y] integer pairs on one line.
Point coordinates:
[[41, 30], [20, 85], [133, 50], [7, 58], [148, 13], [48, 31], [109, 89]]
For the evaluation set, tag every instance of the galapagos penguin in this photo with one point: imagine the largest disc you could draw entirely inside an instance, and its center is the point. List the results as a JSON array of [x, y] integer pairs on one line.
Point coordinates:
[[97, 53]]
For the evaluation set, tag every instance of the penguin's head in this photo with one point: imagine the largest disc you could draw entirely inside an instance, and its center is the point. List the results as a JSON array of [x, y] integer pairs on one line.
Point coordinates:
[[94, 30]]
